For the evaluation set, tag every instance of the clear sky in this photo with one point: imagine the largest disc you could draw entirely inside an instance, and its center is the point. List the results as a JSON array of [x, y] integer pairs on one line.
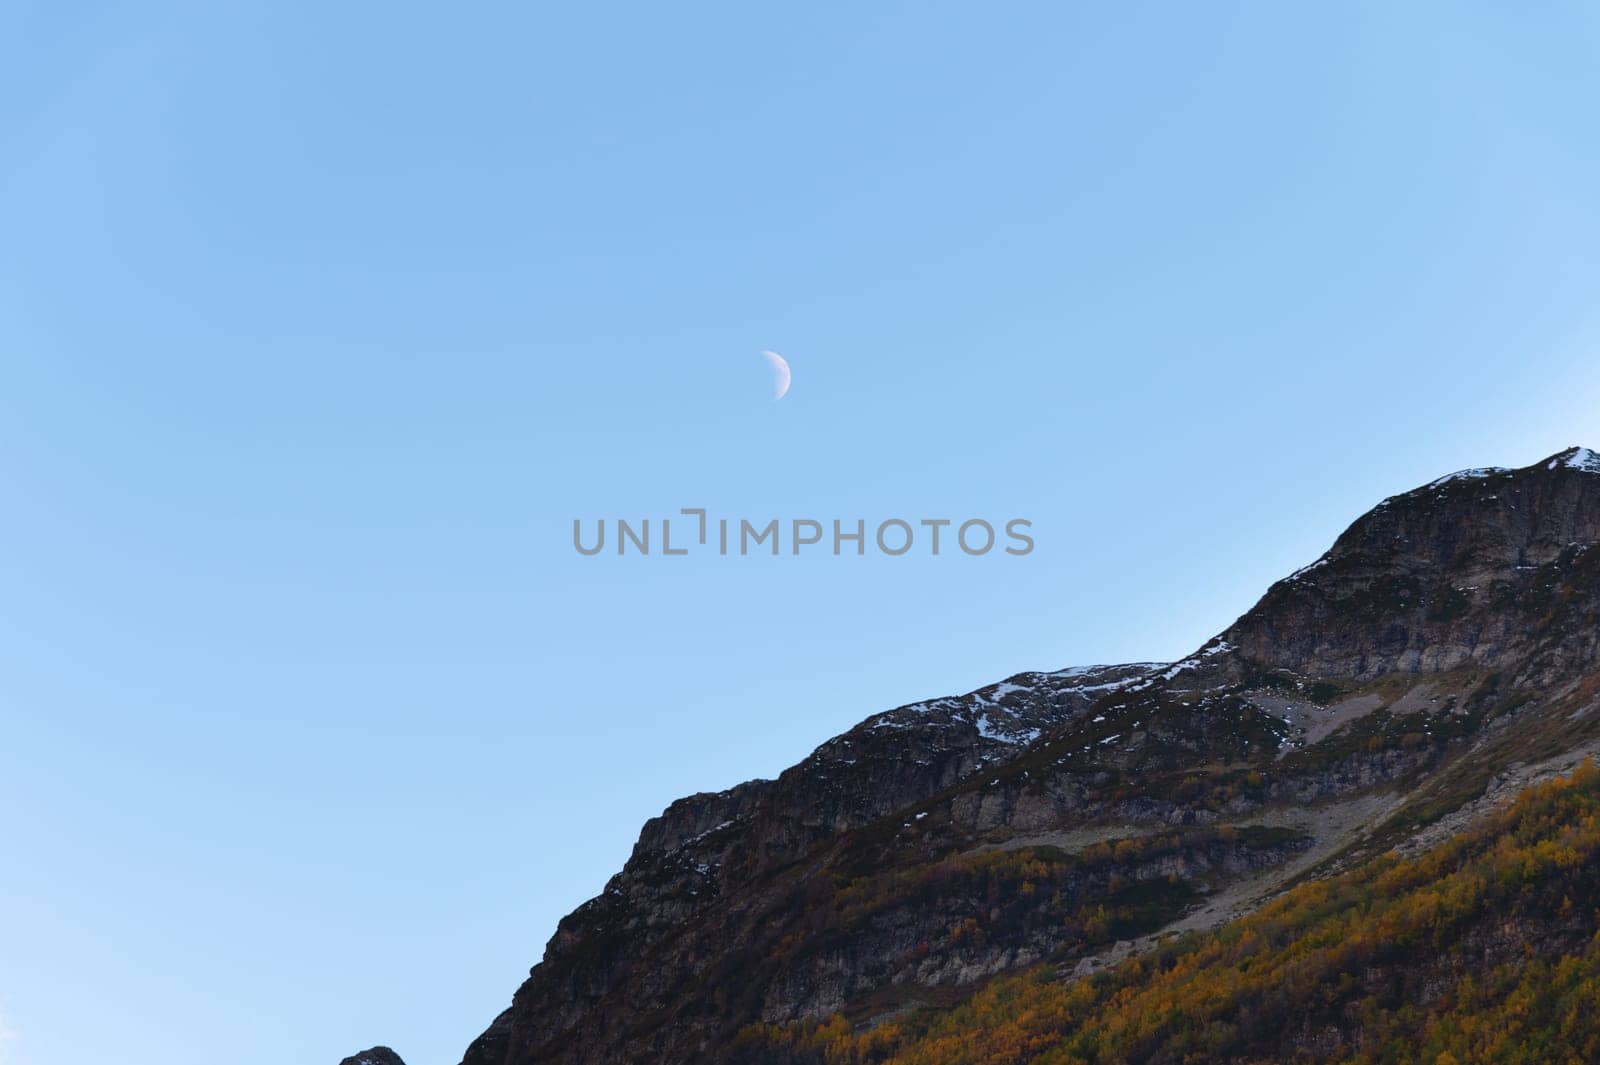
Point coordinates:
[[320, 323]]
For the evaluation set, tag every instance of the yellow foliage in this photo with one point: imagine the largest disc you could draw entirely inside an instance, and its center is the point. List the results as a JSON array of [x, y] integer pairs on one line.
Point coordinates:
[[1306, 963]]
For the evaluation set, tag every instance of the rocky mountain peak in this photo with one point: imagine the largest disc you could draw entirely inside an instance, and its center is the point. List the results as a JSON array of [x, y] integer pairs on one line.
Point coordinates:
[[1449, 636], [1576, 458], [1443, 576]]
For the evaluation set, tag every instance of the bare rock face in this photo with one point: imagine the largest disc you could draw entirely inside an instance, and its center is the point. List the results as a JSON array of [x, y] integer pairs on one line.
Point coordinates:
[[709, 846], [1479, 568], [1053, 817], [375, 1056]]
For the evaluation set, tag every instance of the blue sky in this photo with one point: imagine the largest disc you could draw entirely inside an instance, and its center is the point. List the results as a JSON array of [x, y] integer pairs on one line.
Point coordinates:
[[319, 324]]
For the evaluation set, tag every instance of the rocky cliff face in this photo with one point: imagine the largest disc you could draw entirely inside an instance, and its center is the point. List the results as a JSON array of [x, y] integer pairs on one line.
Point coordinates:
[[1449, 637], [1461, 572]]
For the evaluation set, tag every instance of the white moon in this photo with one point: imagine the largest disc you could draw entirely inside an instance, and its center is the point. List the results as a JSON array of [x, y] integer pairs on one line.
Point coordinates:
[[780, 374]]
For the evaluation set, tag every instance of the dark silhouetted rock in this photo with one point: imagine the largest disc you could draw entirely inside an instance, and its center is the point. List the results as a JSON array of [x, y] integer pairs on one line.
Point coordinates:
[[375, 1056]]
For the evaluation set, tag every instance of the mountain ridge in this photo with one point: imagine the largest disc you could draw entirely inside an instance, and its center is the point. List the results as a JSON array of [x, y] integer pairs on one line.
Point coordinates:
[[1448, 634]]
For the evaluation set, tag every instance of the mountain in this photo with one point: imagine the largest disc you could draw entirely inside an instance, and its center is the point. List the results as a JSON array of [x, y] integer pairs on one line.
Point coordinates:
[[1055, 835]]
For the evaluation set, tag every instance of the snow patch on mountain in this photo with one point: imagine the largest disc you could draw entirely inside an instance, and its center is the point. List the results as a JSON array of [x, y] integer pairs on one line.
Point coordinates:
[[1577, 458], [1303, 570], [1468, 475]]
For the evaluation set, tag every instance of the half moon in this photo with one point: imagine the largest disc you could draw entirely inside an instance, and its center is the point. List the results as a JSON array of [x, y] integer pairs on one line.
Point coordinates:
[[780, 374]]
